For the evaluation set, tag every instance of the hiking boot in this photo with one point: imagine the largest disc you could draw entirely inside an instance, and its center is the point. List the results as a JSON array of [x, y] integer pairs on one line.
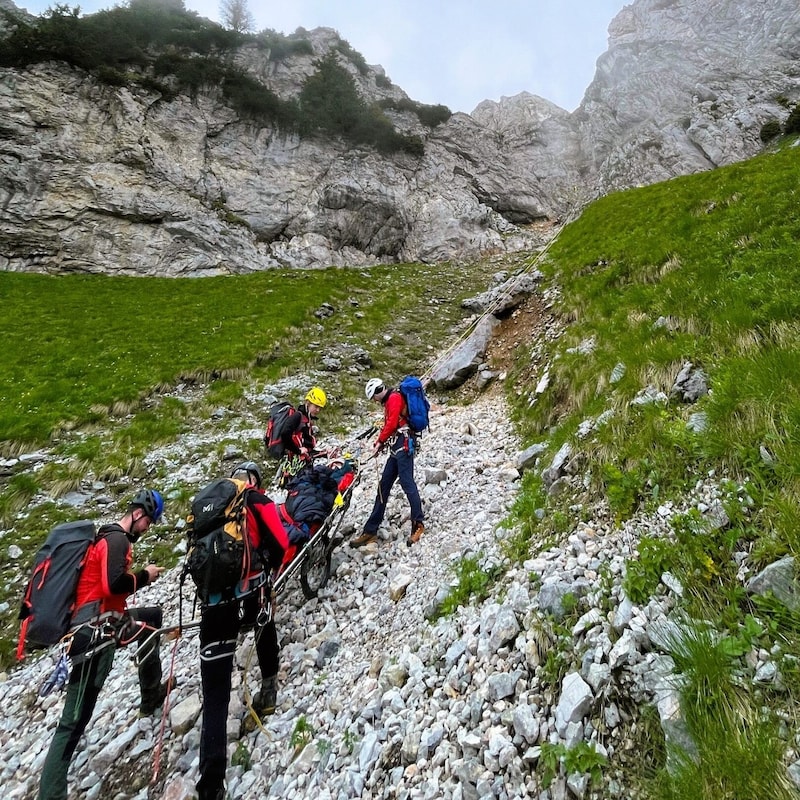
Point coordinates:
[[211, 794], [364, 539], [266, 698], [153, 700], [264, 704], [417, 529]]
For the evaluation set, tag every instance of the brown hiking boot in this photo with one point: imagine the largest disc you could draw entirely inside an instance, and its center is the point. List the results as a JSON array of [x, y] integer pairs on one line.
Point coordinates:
[[364, 539], [417, 529]]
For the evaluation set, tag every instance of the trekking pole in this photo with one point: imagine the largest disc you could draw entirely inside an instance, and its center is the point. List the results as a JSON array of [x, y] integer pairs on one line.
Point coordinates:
[[366, 433]]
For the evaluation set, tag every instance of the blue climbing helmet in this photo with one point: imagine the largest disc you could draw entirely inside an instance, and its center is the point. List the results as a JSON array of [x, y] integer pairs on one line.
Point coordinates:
[[151, 502]]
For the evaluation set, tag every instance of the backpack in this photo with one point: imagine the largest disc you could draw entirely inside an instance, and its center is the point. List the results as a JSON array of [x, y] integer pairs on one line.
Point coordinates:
[[49, 598], [279, 414], [416, 402], [218, 558]]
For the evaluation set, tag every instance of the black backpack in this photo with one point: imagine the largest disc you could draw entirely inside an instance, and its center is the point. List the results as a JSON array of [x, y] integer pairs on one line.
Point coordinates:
[[49, 598], [279, 414], [219, 557]]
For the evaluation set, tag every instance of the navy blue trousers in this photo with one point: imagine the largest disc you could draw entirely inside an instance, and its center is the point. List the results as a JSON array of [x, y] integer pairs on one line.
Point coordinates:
[[399, 466]]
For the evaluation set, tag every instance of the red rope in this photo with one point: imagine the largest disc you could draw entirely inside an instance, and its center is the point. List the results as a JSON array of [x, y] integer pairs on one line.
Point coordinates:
[[164, 713]]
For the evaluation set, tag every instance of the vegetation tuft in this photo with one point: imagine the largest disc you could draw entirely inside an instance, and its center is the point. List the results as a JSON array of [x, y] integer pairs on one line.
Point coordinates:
[[429, 115], [471, 582], [329, 102]]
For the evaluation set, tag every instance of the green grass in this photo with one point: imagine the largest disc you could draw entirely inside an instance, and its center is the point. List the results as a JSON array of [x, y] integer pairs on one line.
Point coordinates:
[[702, 269], [89, 359], [302, 734], [716, 256], [76, 344], [582, 758], [472, 582], [80, 347], [741, 747]]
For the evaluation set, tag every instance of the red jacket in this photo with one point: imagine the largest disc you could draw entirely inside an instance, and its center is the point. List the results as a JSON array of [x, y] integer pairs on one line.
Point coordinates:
[[264, 528], [106, 575], [395, 415]]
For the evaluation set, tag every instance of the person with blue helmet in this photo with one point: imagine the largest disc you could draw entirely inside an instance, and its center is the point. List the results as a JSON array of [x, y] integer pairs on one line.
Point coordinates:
[[100, 623]]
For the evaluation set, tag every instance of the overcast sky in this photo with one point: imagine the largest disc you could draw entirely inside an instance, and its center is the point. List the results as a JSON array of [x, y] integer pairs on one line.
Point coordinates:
[[452, 52]]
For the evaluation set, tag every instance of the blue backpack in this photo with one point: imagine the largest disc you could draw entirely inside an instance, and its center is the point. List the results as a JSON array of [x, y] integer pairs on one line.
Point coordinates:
[[418, 406]]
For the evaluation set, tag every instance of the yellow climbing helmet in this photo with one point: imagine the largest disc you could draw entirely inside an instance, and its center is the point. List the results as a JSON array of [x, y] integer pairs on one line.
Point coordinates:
[[316, 396]]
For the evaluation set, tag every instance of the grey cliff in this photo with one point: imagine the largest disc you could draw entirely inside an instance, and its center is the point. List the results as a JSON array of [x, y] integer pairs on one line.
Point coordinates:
[[99, 178]]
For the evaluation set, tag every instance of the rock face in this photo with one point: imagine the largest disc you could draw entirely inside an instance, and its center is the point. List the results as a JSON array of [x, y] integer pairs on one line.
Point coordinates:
[[686, 86], [98, 178]]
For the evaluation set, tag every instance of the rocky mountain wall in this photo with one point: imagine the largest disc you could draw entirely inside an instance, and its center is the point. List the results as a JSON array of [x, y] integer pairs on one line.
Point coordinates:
[[99, 178], [686, 86]]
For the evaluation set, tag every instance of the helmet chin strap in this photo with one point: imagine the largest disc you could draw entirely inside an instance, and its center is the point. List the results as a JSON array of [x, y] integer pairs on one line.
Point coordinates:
[[133, 536]]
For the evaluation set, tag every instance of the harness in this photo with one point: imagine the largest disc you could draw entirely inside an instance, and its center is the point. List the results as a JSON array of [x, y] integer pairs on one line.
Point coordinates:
[[242, 589], [96, 633], [402, 439]]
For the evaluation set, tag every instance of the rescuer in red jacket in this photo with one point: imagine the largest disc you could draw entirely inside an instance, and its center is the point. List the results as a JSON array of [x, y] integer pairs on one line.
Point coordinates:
[[101, 622], [397, 435]]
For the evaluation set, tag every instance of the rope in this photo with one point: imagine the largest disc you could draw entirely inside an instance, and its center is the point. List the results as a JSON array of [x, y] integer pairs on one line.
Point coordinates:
[[164, 713], [248, 700], [84, 682], [499, 300]]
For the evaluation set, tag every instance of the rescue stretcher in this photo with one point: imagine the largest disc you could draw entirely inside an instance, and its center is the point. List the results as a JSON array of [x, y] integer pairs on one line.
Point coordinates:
[[312, 561]]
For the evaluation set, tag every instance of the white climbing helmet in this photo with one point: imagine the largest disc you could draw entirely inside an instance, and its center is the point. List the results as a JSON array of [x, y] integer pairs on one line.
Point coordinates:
[[374, 386]]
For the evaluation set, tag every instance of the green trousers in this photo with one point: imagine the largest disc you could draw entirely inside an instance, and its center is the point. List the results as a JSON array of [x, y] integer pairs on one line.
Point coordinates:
[[84, 687], [85, 682]]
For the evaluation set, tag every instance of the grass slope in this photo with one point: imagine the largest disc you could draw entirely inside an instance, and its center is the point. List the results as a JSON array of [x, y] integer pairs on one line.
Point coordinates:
[[76, 347], [701, 270]]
